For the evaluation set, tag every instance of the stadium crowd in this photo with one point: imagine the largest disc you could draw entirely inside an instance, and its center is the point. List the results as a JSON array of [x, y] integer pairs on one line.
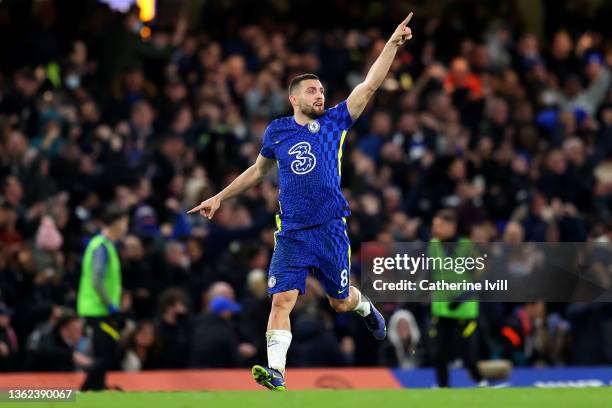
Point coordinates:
[[511, 129]]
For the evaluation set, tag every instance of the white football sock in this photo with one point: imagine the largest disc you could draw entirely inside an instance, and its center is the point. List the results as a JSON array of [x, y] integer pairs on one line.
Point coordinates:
[[278, 344], [363, 306]]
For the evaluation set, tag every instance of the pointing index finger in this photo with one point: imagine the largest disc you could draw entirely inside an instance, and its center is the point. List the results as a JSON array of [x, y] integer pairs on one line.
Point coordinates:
[[407, 19], [194, 209]]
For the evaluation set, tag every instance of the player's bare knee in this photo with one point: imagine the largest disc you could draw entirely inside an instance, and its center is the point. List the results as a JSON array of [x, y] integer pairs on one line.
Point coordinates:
[[283, 302]]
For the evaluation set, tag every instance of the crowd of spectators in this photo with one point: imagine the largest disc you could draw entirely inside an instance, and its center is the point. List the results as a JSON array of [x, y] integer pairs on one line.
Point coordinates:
[[511, 129]]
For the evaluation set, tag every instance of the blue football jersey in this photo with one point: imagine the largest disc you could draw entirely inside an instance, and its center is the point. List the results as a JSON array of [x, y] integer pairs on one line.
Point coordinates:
[[309, 160]]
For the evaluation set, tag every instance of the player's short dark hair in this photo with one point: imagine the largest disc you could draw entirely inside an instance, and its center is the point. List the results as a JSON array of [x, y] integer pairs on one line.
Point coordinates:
[[296, 80], [113, 213], [448, 215]]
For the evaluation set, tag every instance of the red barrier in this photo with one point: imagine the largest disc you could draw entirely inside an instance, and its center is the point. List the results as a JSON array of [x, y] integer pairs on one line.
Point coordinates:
[[235, 379]]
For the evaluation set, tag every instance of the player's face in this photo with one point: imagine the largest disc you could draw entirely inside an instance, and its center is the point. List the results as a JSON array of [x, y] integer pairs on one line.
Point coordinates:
[[310, 98]]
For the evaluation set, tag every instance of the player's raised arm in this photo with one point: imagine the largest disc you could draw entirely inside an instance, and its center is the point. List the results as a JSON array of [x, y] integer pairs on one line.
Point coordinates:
[[362, 93], [250, 177]]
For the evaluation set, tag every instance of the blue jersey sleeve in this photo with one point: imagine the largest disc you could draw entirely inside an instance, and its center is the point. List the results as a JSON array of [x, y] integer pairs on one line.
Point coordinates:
[[340, 115], [266, 145]]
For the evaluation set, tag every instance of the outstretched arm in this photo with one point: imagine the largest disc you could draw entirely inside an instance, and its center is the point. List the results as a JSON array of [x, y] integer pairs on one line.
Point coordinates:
[[362, 93], [250, 177]]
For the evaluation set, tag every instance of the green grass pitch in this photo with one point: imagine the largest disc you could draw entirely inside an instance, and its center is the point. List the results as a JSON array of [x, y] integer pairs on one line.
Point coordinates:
[[412, 398]]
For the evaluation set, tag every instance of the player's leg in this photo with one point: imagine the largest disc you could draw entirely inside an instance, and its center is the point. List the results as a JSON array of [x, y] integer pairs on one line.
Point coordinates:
[[359, 303], [278, 336], [334, 274], [287, 279], [278, 339], [354, 302]]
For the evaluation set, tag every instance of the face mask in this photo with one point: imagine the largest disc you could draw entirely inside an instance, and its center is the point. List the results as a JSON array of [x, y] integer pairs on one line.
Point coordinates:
[[73, 81]]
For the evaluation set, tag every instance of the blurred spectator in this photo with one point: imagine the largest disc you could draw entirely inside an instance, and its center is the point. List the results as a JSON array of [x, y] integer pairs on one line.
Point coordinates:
[[173, 328], [138, 277], [42, 330], [533, 337], [218, 344], [581, 101], [175, 270], [590, 330], [404, 336], [141, 348], [58, 349]]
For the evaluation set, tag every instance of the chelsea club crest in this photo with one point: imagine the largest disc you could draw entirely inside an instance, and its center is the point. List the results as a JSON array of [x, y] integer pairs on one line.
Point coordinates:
[[314, 126]]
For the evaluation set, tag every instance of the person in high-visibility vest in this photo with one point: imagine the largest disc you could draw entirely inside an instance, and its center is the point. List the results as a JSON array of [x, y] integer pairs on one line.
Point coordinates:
[[454, 314], [99, 295]]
